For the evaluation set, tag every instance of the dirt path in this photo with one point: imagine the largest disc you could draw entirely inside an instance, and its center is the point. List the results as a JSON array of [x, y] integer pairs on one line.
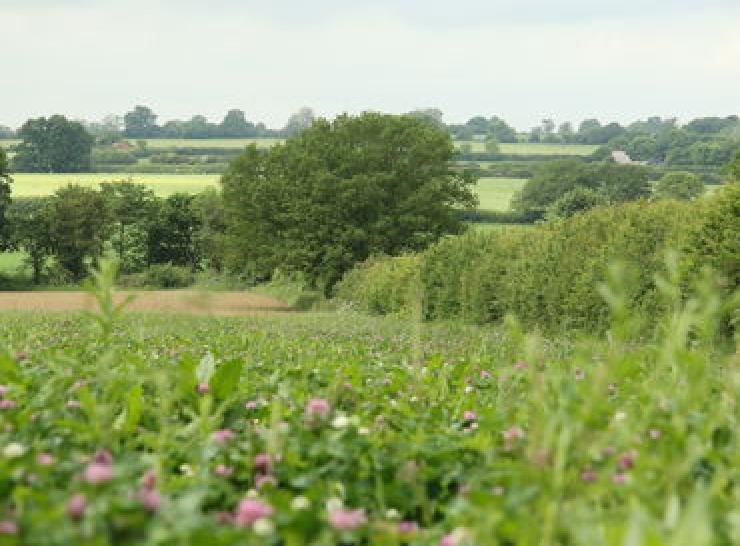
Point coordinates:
[[170, 301]]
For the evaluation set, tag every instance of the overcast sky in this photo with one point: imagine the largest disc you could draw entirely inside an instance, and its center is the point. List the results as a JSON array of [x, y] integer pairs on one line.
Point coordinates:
[[520, 59]]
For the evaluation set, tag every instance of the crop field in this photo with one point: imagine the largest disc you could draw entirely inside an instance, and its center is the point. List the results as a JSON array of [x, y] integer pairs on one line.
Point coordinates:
[[533, 148], [171, 143], [496, 193], [33, 184], [340, 429]]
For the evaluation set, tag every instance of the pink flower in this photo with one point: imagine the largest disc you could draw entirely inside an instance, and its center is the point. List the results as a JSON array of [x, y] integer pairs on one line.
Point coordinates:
[[203, 388], [222, 436], [619, 478], [408, 527], [250, 510], [8, 527], [76, 506], [449, 540], [251, 405], [104, 457], [589, 476], [318, 406], [149, 480], [4, 389], [45, 459], [470, 416], [7, 404], [654, 434], [98, 473], [150, 499], [627, 460], [224, 471], [263, 480], [263, 462], [512, 434], [347, 520]]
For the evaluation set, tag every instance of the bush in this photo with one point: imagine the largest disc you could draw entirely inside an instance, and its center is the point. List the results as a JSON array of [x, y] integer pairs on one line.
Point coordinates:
[[547, 276], [159, 276]]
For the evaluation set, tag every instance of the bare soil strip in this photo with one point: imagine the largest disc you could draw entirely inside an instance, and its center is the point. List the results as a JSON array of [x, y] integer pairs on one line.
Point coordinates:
[[160, 301]]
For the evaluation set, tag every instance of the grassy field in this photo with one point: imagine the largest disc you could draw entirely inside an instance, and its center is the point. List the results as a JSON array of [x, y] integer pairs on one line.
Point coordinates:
[[8, 143], [526, 148], [10, 262], [32, 184], [165, 143], [496, 193]]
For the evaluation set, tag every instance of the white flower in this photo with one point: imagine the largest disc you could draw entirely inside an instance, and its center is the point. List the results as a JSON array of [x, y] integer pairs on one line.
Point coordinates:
[[14, 450], [340, 421], [252, 494], [469, 389], [263, 527], [392, 513], [300, 503], [186, 470], [620, 416], [363, 431], [333, 504]]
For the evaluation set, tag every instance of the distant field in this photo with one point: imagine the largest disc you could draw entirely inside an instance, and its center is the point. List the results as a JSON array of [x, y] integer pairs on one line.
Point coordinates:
[[526, 148], [33, 184], [496, 193], [237, 143], [8, 143]]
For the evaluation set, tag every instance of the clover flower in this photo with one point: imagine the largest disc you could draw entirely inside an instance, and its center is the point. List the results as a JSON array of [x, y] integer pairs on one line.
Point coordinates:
[[347, 520]]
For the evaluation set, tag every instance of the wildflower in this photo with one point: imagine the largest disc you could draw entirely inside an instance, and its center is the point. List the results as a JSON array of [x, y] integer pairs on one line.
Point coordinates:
[[98, 473], [627, 460], [251, 404], [149, 481], [222, 436], [469, 389], [347, 520], [333, 504], [619, 478], [470, 416], [300, 503], [7, 404], [340, 421], [76, 506], [187, 470], [224, 471], [512, 434], [392, 513], [263, 480], [104, 457], [654, 434], [14, 450], [45, 459], [4, 389], [455, 538], [203, 388], [620, 416], [263, 527], [408, 527], [77, 385], [318, 407], [589, 476], [363, 431], [263, 462], [8, 527], [150, 499], [73, 404], [498, 491], [250, 510]]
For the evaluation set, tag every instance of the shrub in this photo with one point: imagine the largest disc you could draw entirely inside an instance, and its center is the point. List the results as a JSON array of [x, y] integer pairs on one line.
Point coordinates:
[[159, 276]]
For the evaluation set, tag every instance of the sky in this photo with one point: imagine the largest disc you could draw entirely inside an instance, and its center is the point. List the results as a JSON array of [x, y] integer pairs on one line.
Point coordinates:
[[523, 60]]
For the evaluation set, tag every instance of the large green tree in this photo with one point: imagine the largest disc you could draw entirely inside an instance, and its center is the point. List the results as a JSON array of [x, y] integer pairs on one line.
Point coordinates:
[[5, 181], [340, 192], [53, 145], [28, 229], [173, 235], [141, 122], [679, 185], [79, 226]]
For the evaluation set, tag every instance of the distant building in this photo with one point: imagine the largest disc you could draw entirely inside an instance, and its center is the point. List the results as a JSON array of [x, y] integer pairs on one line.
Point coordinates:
[[621, 157]]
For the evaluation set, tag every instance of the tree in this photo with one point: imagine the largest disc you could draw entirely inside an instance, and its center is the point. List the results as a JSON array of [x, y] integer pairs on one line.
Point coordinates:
[[679, 185], [173, 233], [339, 193], [299, 122], [491, 145], [79, 226], [106, 131], [209, 238], [235, 125], [28, 227], [432, 115], [141, 122], [133, 208], [53, 145], [575, 201], [733, 168], [565, 132], [5, 181]]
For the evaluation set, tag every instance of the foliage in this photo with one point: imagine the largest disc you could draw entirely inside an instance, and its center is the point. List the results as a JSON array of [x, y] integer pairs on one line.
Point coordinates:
[[546, 276], [53, 145], [28, 223], [268, 430], [5, 182], [679, 185], [552, 180], [79, 225], [577, 200], [159, 276], [340, 192], [172, 234]]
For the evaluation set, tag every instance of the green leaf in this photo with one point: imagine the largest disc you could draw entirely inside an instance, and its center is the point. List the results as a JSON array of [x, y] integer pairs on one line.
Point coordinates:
[[226, 379], [133, 409]]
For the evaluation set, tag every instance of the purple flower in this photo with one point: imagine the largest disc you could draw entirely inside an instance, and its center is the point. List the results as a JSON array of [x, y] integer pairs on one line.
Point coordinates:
[[98, 473], [619, 478], [7, 404], [408, 527], [654, 434], [8, 527], [470, 416], [589, 476], [318, 407], [485, 374], [222, 436], [627, 460], [263, 462], [224, 471], [250, 510], [150, 499], [203, 388], [347, 520], [251, 404]]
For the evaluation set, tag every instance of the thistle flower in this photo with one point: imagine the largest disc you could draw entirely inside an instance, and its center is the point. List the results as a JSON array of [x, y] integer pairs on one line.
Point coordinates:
[[408, 527], [263, 462], [589, 475], [76, 506]]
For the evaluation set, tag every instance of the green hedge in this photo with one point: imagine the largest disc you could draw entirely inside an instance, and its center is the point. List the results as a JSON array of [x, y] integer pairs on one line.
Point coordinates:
[[548, 276]]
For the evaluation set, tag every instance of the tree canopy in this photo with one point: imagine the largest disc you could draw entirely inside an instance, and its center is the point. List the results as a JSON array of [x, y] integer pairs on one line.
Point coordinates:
[[4, 192], [679, 185], [340, 192], [53, 145]]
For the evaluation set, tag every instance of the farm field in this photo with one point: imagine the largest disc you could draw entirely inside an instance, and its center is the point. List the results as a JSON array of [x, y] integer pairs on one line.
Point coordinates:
[[34, 184], [167, 143], [342, 429], [496, 193], [7, 143], [533, 148]]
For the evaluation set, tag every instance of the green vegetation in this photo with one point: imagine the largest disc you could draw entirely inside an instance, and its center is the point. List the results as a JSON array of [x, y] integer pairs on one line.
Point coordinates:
[[36, 184], [339, 429], [53, 145], [497, 193], [532, 148], [230, 143], [678, 185]]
